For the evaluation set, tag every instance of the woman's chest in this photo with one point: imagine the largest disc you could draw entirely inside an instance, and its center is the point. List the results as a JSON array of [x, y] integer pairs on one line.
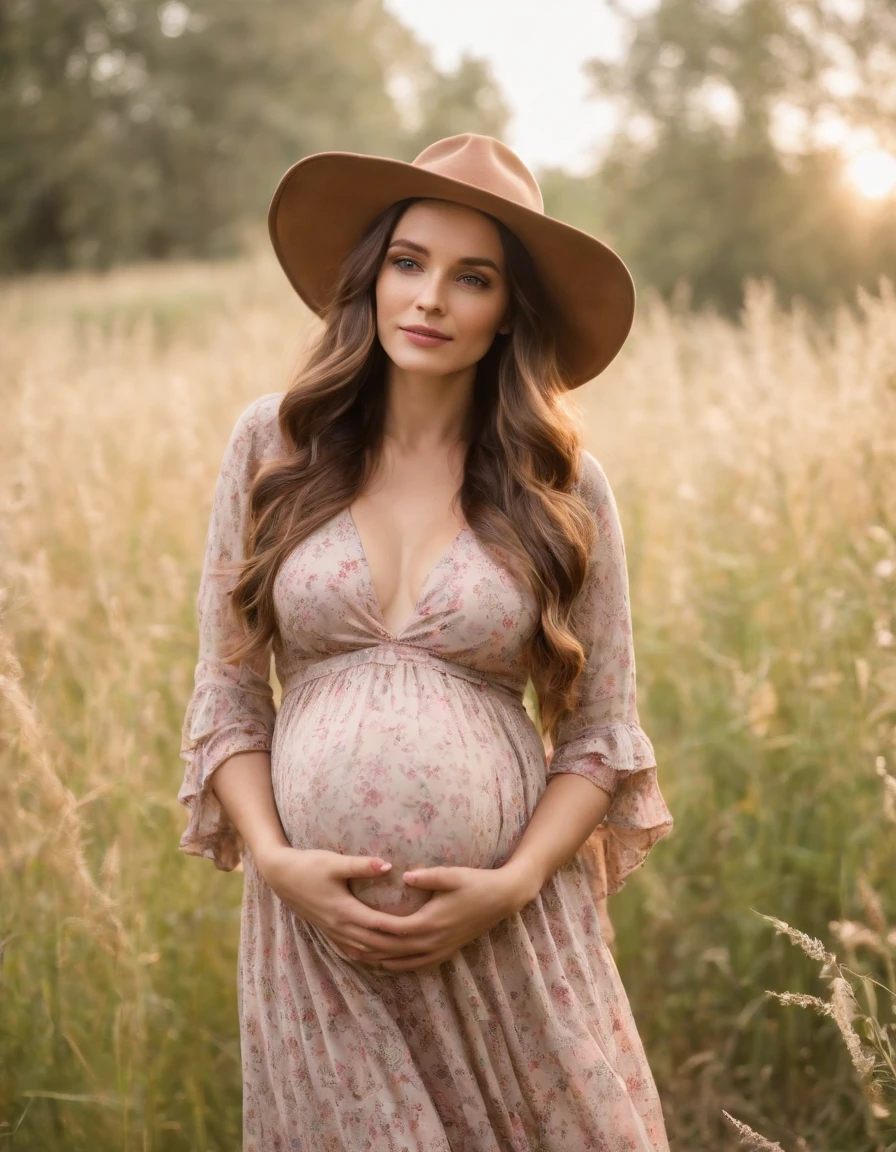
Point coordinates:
[[469, 608]]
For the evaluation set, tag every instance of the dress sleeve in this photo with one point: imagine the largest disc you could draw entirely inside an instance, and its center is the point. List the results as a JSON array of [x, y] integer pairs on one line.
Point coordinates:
[[602, 738], [231, 709]]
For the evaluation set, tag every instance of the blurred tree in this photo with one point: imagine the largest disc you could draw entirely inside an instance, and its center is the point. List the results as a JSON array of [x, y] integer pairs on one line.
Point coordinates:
[[132, 129], [468, 94], [576, 199], [720, 170]]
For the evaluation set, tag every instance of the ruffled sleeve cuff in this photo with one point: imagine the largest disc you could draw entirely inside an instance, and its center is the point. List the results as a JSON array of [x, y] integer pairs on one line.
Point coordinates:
[[620, 759], [229, 713]]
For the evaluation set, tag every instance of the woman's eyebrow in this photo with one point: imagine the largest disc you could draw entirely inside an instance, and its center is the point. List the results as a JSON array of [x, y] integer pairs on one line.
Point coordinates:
[[465, 260]]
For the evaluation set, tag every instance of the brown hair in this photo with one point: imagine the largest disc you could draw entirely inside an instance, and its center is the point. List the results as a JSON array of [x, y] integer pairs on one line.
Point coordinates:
[[521, 464]]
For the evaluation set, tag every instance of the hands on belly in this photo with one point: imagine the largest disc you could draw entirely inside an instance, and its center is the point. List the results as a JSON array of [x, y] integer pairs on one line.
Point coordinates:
[[465, 903], [462, 904], [314, 884]]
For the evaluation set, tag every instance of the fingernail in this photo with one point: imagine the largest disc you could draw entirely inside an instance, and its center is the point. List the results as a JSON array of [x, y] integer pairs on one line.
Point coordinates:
[[384, 867]]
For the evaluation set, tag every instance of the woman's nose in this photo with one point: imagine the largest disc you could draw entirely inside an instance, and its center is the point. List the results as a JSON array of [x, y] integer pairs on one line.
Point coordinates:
[[431, 297]]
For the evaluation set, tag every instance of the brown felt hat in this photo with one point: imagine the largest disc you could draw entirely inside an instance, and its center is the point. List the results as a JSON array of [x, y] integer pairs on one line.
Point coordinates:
[[325, 202]]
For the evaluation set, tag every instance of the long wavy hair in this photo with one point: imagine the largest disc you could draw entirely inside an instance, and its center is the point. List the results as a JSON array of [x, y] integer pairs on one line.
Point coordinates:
[[521, 462]]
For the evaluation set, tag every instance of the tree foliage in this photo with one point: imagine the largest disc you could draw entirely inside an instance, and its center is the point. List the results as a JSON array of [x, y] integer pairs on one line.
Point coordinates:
[[132, 129], [724, 166]]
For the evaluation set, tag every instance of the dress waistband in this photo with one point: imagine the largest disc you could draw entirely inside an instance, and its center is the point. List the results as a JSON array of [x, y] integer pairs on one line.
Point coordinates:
[[393, 653]]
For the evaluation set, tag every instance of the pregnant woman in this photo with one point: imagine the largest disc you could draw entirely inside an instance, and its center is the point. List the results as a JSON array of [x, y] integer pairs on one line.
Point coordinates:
[[414, 531]]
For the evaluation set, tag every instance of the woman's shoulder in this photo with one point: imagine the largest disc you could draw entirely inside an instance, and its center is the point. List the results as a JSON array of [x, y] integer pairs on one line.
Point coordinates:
[[592, 485], [256, 433]]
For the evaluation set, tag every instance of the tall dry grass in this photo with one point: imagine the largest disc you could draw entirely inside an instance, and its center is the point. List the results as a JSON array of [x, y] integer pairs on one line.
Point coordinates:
[[753, 465]]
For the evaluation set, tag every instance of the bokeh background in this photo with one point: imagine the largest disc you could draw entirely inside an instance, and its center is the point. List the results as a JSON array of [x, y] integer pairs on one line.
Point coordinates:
[[741, 156]]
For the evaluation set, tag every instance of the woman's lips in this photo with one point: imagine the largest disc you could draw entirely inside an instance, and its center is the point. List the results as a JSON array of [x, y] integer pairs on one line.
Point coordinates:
[[425, 341]]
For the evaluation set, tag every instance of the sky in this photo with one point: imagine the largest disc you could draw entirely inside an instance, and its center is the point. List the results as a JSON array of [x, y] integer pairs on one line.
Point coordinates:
[[536, 49]]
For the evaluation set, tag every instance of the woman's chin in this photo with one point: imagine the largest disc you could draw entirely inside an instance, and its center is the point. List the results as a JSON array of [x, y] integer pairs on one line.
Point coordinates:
[[422, 362], [434, 361]]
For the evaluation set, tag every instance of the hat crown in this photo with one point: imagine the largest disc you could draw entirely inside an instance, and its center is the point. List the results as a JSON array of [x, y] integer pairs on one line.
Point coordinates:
[[485, 163]]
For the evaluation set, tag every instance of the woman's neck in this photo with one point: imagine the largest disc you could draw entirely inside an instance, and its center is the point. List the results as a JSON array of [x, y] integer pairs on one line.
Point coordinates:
[[426, 413]]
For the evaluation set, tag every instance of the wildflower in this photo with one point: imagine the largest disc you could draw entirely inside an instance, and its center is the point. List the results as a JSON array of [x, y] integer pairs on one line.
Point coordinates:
[[812, 947], [844, 1009], [802, 1001], [752, 1139], [852, 935]]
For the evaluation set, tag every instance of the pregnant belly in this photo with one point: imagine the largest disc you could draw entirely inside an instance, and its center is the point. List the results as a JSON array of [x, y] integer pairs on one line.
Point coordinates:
[[420, 777]]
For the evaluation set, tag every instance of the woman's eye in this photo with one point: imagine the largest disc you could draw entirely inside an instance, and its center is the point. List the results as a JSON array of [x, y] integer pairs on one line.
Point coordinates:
[[406, 264]]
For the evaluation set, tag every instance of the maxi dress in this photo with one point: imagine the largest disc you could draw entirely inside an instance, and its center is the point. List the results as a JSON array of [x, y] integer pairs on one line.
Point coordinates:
[[415, 746]]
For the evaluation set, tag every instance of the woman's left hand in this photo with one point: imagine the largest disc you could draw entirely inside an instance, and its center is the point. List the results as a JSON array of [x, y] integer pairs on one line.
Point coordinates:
[[467, 902]]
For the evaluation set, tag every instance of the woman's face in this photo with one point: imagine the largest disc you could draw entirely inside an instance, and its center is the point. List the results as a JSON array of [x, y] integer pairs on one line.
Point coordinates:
[[444, 269]]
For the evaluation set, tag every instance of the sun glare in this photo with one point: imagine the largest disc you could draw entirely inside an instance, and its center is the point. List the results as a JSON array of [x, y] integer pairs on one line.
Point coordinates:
[[873, 173]]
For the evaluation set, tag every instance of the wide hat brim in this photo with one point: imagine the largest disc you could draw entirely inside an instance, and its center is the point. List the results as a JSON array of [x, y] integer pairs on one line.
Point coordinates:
[[324, 203]]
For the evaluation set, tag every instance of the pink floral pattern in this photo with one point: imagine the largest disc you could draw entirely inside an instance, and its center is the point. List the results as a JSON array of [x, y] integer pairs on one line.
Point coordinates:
[[416, 746]]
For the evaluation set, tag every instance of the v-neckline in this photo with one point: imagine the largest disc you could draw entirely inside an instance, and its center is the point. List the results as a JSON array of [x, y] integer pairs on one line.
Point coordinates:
[[424, 586]]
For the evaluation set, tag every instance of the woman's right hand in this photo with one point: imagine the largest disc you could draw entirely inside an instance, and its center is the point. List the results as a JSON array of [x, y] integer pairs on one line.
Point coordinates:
[[313, 883]]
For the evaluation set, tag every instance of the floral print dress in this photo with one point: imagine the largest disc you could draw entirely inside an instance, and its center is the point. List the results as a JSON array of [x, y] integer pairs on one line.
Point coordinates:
[[415, 746]]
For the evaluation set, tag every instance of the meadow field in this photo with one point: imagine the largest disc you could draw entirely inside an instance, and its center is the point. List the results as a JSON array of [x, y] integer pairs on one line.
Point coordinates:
[[755, 469]]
